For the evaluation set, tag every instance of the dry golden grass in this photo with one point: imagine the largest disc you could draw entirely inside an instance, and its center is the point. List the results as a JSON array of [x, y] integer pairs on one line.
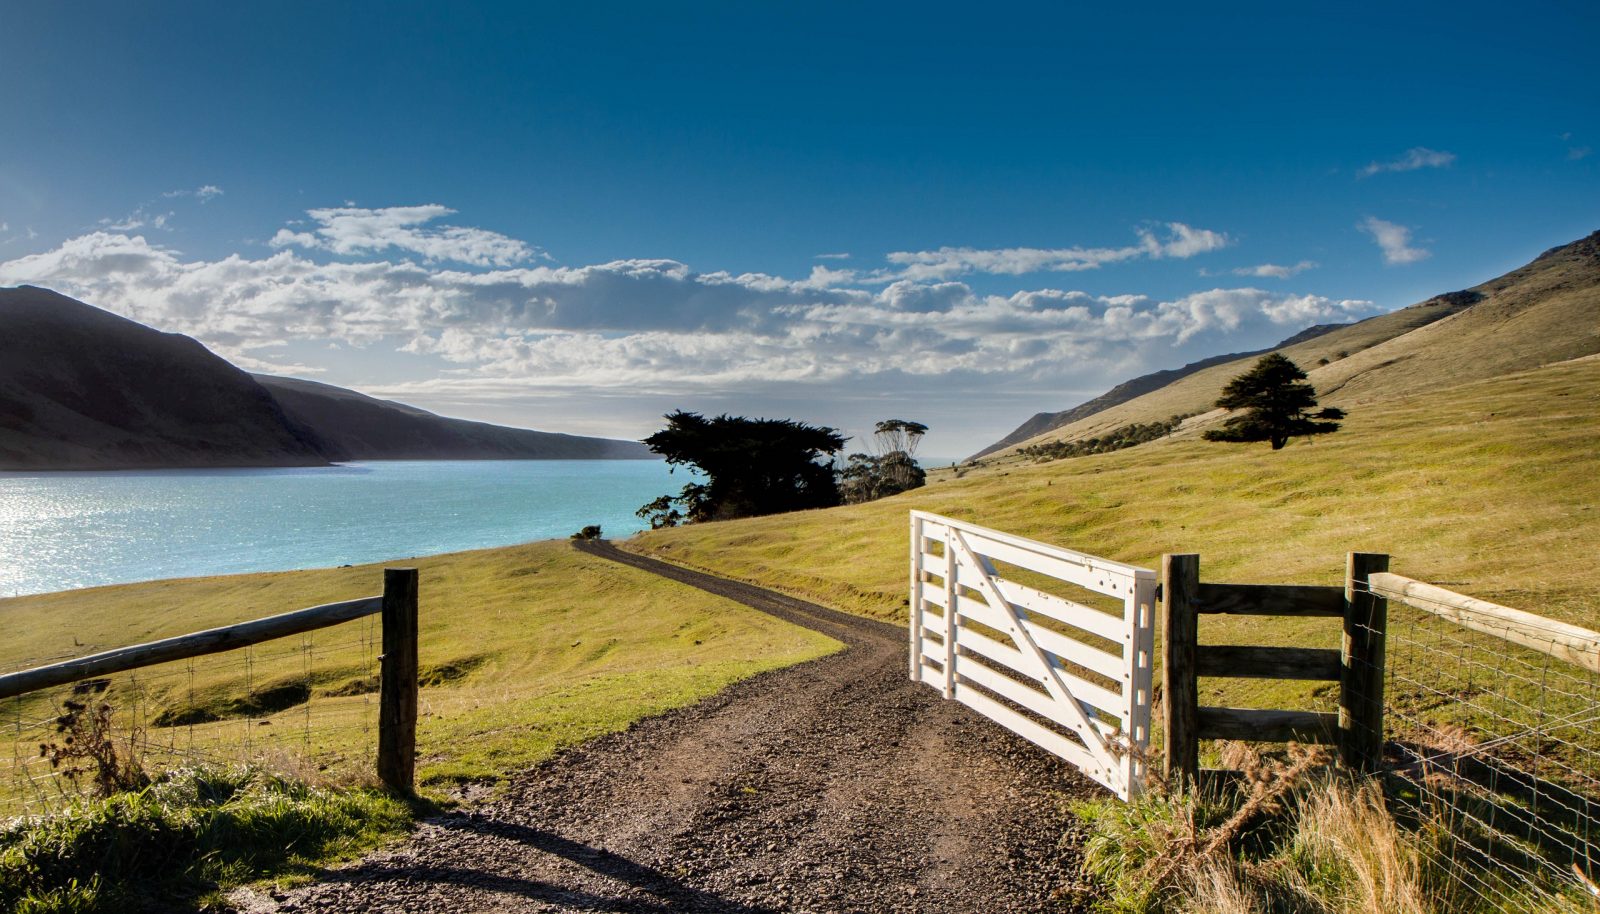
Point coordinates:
[[1487, 488]]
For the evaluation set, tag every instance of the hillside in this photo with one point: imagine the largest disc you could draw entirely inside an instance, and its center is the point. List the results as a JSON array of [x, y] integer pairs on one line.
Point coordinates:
[[82, 388], [359, 427], [1485, 487], [1544, 312], [1042, 423]]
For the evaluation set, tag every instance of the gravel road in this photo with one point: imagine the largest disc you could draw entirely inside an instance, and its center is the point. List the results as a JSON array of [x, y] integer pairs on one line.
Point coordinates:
[[832, 786]]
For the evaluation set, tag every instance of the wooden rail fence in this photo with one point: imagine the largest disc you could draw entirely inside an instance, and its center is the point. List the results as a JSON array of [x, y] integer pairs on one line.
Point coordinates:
[[1357, 729], [397, 715]]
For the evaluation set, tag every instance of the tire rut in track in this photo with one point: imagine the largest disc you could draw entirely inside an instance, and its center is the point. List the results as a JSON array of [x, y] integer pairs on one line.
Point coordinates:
[[836, 785]]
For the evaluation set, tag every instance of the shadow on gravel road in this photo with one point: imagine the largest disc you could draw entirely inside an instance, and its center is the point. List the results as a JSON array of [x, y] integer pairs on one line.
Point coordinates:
[[670, 895]]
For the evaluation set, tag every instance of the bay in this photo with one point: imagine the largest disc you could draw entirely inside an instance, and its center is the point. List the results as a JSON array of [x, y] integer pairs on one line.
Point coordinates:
[[80, 529]]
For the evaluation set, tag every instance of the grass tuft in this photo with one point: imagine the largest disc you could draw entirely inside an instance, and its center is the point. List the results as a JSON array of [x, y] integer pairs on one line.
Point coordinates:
[[187, 837], [1291, 836]]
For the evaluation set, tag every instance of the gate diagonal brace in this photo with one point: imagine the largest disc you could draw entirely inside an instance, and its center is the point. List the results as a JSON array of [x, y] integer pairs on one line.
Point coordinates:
[[1045, 669]]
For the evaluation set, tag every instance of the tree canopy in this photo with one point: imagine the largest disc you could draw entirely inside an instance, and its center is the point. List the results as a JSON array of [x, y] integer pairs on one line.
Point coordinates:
[[891, 469], [1277, 405], [751, 467]]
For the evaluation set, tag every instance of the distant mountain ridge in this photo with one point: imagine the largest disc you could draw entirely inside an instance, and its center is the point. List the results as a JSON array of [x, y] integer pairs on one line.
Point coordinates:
[[1543, 312], [359, 427], [83, 389]]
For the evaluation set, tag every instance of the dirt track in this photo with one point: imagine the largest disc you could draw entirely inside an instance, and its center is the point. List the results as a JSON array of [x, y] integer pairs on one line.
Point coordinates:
[[836, 785]]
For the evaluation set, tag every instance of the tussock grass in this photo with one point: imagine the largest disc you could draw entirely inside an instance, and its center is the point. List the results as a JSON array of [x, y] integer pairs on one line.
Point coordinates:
[[1293, 838], [179, 842]]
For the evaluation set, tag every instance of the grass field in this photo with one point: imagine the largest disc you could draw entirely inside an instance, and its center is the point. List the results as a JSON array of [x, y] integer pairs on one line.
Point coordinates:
[[523, 650], [1488, 488]]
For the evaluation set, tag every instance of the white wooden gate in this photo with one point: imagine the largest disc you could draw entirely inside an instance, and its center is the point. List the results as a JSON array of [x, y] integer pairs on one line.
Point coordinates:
[[1072, 677]]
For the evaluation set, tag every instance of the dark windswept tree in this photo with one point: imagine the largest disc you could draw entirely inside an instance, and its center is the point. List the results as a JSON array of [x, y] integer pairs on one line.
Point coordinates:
[[751, 467], [1275, 403]]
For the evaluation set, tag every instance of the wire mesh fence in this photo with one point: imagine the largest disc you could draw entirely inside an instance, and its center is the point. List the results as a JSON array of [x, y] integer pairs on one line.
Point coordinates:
[[1493, 756], [305, 706]]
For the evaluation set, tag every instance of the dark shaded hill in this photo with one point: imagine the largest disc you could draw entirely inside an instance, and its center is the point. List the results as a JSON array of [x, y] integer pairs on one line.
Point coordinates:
[[360, 427], [82, 388], [1127, 390]]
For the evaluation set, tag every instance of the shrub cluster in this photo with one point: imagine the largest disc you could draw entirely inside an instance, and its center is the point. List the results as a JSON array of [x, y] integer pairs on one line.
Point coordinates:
[[1124, 437]]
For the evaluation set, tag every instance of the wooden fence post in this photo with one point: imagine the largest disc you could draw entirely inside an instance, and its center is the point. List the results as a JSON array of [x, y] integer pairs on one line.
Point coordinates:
[[1180, 586], [397, 699], [1362, 658]]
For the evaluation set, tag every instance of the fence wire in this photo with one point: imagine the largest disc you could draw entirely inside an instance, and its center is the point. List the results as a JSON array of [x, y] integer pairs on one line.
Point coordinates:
[[304, 706], [1493, 756]]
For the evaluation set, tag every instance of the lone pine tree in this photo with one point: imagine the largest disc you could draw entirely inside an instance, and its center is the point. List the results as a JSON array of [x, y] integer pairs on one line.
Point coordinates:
[[1277, 404]]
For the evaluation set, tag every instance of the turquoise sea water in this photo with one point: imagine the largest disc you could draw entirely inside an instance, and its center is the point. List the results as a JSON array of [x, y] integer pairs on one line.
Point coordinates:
[[66, 530]]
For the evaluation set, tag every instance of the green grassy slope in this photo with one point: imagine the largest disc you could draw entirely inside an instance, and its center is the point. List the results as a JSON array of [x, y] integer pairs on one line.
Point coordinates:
[[1486, 487], [523, 650], [1544, 312]]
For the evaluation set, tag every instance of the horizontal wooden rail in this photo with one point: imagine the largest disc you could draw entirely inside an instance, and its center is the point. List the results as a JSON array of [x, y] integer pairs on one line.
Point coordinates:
[[1572, 643], [1357, 666], [1268, 662], [210, 641], [1270, 600], [1270, 726]]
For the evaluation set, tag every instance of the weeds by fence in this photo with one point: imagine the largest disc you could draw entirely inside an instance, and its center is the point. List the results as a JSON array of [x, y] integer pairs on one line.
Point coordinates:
[[1493, 743], [305, 694], [305, 706]]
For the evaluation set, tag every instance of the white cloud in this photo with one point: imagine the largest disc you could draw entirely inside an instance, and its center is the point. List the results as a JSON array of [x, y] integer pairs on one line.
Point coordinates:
[[1415, 158], [1394, 240], [1577, 153], [203, 193], [354, 230], [138, 219], [1181, 241], [841, 256], [477, 338], [654, 324], [1273, 270]]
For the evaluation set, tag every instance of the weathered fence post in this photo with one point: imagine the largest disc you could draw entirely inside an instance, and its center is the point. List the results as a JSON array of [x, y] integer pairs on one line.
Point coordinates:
[[1180, 710], [397, 699], [1362, 658]]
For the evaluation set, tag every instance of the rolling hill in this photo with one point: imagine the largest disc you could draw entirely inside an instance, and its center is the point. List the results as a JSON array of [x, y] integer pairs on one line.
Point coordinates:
[[1544, 312], [84, 389]]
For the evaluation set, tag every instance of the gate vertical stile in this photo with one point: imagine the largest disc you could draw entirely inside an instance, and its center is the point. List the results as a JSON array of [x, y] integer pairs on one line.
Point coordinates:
[[917, 608], [952, 627], [1140, 616]]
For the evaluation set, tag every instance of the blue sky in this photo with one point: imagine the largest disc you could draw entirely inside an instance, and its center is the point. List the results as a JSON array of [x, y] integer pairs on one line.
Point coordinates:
[[579, 216]]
